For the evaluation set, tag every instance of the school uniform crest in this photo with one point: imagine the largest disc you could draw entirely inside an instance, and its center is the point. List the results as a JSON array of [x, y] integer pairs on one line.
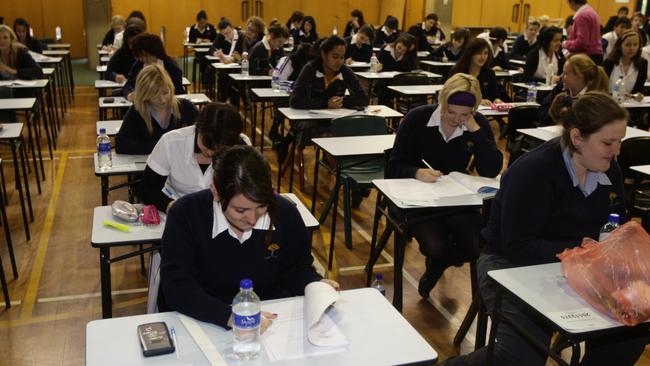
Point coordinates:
[[272, 248], [469, 145]]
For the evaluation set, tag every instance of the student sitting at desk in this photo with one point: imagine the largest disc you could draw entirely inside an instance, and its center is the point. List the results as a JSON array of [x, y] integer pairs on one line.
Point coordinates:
[[453, 49], [427, 33], [398, 56], [15, 60], [609, 39], [238, 229], [155, 110], [353, 25], [580, 75], [180, 163], [264, 56], [22, 30], [323, 81], [495, 39], [526, 41], [550, 199], [123, 59], [625, 62], [546, 57], [202, 31], [388, 32], [476, 61], [359, 46], [294, 24], [446, 137], [308, 33], [118, 25], [149, 49], [227, 47]]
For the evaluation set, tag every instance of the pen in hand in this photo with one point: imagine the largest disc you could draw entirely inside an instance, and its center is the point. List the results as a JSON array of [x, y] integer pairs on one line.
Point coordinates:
[[432, 177]]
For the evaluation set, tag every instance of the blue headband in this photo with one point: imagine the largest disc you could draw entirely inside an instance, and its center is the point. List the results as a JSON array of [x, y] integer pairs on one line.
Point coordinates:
[[462, 98]]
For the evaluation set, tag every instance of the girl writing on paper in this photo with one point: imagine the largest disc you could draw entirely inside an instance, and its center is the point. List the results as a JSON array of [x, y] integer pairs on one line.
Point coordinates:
[[446, 136], [239, 228], [550, 199]]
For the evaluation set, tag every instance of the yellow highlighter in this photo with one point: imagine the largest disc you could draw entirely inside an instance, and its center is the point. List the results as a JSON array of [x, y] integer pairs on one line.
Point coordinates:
[[116, 225]]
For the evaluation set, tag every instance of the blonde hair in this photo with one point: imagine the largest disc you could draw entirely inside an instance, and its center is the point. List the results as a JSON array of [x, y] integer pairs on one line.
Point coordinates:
[[150, 80], [14, 46], [460, 82], [595, 76], [118, 20]]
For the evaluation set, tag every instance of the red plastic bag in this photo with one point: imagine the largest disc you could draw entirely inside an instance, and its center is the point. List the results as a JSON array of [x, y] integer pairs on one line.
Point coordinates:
[[613, 276]]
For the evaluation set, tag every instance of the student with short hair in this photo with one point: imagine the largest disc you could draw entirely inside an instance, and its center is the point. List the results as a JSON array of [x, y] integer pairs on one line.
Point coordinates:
[[118, 25], [227, 46], [359, 46], [446, 136], [550, 199], [639, 23], [427, 33], [148, 50], [388, 33], [294, 24], [22, 30], [239, 228], [202, 31], [264, 56], [622, 12], [353, 25], [546, 57], [526, 41], [308, 33], [155, 110], [180, 163], [453, 49], [15, 60], [137, 17], [609, 39], [123, 59]]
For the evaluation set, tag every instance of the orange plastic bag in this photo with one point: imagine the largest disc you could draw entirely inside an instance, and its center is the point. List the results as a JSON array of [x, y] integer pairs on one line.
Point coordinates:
[[613, 276]]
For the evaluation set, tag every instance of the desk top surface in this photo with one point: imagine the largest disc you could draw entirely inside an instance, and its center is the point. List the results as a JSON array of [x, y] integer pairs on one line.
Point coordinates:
[[112, 126], [355, 145], [240, 77], [17, 103], [11, 131], [390, 74], [550, 132], [319, 114], [377, 333], [416, 89]]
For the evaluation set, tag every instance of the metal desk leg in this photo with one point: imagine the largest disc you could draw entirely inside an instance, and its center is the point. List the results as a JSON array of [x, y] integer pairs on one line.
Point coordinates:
[[400, 244], [20, 190], [104, 181], [105, 270], [5, 288], [335, 193], [10, 246], [313, 193]]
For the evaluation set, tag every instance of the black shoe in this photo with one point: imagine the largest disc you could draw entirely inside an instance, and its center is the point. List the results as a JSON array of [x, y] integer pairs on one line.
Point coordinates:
[[430, 277], [357, 197]]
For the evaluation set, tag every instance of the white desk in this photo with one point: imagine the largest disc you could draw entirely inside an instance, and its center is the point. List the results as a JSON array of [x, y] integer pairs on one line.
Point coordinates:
[[630, 104], [117, 103], [538, 87], [387, 75], [550, 132], [507, 73], [378, 335], [423, 54], [42, 59], [47, 71], [643, 169], [12, 134], [25, 84], [415, 90], [355, 145], [196, 98], [123, 164], [222, 66], [112, 126], [108, 84], [17, 104], [101, 68], [438, 63], [359, 65], [56, 52], [517, 62], [240, 77], [293, 114], [59, 46]]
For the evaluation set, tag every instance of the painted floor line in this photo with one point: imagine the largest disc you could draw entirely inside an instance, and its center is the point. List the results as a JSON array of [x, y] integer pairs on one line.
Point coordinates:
[[90, 295]]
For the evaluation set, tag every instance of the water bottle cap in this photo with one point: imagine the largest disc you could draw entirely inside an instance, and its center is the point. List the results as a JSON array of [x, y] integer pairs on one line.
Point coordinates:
[[102, 131], [614, 218], [379, 276], [246, 284]]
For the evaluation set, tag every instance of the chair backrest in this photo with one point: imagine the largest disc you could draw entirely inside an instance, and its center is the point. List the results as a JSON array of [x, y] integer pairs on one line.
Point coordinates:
[[634, 151], [7, 116], [359, 125], [523, 116], [410, 78]]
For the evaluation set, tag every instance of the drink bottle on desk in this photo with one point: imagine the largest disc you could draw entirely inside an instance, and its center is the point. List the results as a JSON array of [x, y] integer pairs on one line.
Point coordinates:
[[104, 157], [374, 62], [531, 95], [246, 322], [610, 225], [244, 64]]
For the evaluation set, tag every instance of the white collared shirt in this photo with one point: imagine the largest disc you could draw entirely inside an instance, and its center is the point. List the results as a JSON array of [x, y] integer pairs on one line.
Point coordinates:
[[391, 50], [629, 78], [436, 120], [545, 65], [611, 38], [338, 76], [233, 42], [220, 224], [173, 157], [118, 40], [383, 29], [266, 44]]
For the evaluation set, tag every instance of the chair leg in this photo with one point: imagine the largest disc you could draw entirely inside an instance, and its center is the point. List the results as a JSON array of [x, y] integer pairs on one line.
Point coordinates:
[[347, 213], [5, 288], [330, 260]]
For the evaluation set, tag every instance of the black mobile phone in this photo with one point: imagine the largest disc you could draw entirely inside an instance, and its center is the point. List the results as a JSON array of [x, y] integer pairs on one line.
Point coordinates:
[[109, 100], [155, 339]]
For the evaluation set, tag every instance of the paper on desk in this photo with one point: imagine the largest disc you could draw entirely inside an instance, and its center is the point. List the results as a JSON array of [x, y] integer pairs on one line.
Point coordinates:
[[288, 338], [333, 113], [578, 319], [444, 192], [17, 82], [202, 341], [322, 331]]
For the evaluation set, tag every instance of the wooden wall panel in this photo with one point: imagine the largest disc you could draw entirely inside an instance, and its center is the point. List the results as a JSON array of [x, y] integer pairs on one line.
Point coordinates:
[[414, 13], [68, 14], [217, 9], [334, 13], [174, 16], [394, 8], [465, 13], [370, 9]]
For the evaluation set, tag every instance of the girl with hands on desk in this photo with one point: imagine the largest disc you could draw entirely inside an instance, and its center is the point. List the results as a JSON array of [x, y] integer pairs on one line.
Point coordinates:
[[239, 228], [625, 62], [433, 140]]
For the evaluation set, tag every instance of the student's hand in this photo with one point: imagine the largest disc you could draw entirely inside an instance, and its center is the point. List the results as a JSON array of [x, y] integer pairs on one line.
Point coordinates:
[[130, 97], [349, 61], [486, 102], [218, 54], [497, 68], [265, 317], [637, 96], [497, 100], [471, 124], [332, 283], [335, 103], [119, 78], [427, 175], [6, 68], [445, 59], [169, 205]]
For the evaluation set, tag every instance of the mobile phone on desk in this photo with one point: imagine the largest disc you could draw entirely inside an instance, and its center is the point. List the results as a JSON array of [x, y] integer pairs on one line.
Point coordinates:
[[109, 100], [155, 339]]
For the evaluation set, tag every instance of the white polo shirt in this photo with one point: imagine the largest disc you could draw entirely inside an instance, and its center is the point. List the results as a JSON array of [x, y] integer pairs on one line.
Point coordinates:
[[173, 157]]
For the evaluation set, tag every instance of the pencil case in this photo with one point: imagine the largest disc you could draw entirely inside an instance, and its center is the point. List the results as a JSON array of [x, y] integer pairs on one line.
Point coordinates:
[[150, 215]]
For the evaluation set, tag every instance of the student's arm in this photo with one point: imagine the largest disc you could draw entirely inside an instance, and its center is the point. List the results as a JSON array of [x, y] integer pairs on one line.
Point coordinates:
[[133, 137], [301, 96], [641, 77], [130, 79], [176, 74], [532, 62], [180, 277], [26, 67], [403, 157], [150, 189], [296, 264], [438, 53], [189, 112], [358, 96], [489, 159]]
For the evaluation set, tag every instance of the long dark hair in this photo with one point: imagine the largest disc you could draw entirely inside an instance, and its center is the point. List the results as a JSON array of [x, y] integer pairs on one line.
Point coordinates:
[[131, 31], [149, 43], [220, 126], [243, 170], [475, 46], [312, 21], [617, 52], [460, 34], [546, 36]]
